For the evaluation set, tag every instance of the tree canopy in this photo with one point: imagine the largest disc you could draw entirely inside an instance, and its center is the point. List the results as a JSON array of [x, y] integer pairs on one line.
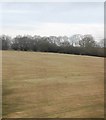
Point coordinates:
[[76, 44]]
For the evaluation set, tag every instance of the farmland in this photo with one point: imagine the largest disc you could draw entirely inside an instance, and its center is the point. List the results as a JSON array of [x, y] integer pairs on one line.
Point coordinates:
[[49, 85]]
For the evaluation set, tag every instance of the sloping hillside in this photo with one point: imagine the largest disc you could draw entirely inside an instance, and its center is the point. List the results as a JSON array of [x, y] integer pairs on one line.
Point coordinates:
[[51, 85]]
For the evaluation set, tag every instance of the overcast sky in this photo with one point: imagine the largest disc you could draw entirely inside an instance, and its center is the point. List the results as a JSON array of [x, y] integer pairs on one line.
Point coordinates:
[[47, 19]]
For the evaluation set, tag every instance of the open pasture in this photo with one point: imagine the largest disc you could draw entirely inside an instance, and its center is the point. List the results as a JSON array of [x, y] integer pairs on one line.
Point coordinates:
[[49, 85]]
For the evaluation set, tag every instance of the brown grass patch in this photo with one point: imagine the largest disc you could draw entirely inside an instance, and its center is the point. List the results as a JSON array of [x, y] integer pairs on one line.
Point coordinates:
[[52, 85]]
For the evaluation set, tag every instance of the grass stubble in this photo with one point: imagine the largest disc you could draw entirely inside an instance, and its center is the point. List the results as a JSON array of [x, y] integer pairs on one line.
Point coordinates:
[[49, 85]]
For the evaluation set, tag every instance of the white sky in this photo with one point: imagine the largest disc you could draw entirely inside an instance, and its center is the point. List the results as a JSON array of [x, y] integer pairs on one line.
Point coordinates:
[[47, 18], [52, 0]]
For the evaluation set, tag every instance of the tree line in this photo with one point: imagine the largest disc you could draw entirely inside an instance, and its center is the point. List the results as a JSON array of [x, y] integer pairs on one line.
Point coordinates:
[[76, 44]]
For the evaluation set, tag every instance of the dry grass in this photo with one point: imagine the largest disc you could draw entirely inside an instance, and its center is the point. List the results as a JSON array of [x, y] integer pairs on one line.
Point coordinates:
[[47, 85]]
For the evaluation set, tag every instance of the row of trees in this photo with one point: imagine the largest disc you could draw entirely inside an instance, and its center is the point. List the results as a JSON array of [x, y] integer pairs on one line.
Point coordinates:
[[76, 44]]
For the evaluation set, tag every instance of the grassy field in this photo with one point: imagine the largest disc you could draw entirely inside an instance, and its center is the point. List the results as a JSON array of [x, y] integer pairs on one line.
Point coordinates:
[[48, 85]]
